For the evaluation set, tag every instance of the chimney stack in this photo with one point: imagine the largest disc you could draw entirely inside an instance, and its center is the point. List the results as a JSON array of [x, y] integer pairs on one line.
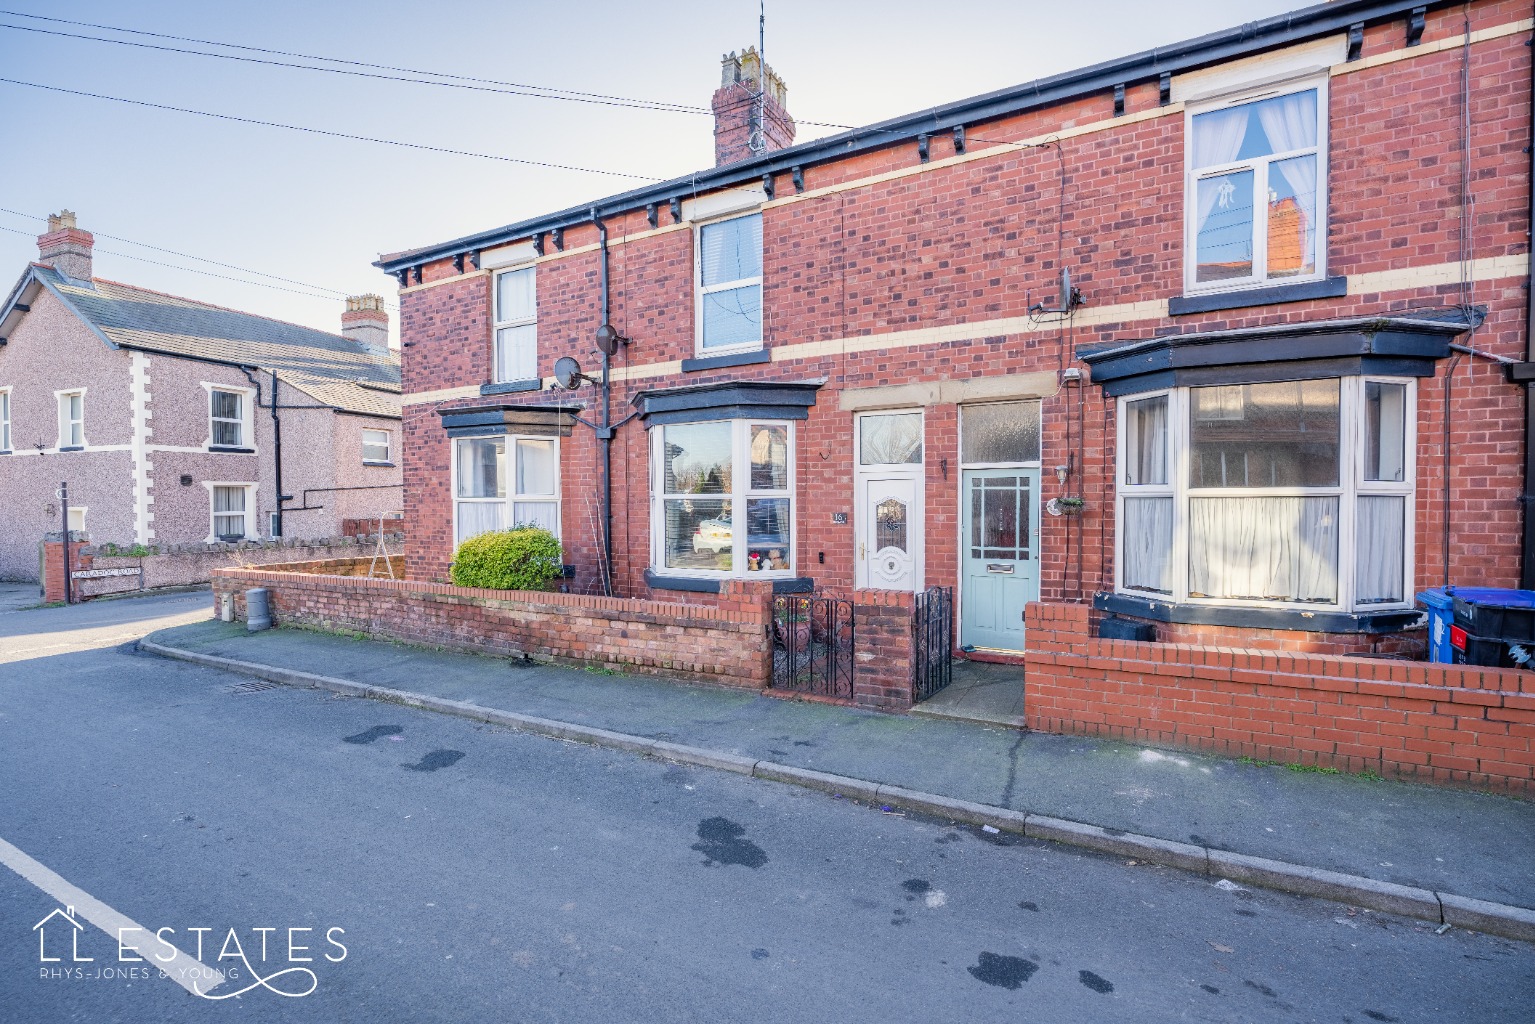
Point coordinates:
[[738, 103], [366, 323], [65, 247]]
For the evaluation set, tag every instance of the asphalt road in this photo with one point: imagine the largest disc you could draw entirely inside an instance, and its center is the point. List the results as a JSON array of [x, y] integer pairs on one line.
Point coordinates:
[[477, 874]]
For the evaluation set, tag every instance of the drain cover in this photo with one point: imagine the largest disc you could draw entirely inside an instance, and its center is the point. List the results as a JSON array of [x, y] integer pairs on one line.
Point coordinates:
[[252, 686]]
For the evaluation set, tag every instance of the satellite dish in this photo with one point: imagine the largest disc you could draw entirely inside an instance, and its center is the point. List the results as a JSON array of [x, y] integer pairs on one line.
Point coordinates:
[[567, 373], [608, 339]]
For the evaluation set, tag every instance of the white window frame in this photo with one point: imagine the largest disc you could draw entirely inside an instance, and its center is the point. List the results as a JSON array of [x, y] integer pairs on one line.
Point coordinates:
[[699, 291], [82, 509], [250, 508], [247, 398], [388, 443], [1351, 486], [67, 422], [513, 496], [1259, 166], [741, 491], [5, 420], [498, 324]]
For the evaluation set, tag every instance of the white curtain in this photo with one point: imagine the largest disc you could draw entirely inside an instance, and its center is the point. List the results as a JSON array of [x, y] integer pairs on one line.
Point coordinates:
[[1380, 549], [1148, 544], [1290, 123], [477, 517], [1264, 549], [537, 513], [1146, 460], [1218, 137]]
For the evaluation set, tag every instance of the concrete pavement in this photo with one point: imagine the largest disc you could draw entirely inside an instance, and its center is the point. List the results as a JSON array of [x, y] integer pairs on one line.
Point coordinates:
[[1466, 844]]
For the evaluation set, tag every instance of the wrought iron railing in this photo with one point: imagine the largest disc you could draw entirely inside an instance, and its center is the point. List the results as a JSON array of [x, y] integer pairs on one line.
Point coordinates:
[[813, 643], [932, 642]]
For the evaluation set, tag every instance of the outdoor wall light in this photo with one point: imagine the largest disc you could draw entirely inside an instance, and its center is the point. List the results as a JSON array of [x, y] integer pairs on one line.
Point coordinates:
[[1060, 474]]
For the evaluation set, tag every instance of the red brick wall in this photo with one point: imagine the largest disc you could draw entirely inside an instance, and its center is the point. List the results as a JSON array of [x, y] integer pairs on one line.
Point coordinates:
[[53, 568], [726, 645], [1441, 723], [984, 239]]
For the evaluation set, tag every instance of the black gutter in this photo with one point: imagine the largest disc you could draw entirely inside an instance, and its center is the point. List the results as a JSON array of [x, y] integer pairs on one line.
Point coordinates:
[[1147, 66]]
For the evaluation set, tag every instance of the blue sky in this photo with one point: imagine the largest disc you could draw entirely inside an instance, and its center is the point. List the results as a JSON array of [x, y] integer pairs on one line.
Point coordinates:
[[319, 210]]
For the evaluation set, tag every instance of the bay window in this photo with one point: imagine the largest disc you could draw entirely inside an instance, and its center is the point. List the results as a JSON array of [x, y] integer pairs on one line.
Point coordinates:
[[1256, 197], [1293, 493], [723, 501], [503, 482]]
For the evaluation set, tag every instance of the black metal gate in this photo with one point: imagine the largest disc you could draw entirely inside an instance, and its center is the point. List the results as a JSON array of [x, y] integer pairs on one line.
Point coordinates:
[[932, 642], [813, 639]]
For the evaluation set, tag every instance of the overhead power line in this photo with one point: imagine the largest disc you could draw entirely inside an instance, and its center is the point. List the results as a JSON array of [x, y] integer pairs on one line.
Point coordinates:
[[330, 294], [194, 270], [443, 79], [334, 134]]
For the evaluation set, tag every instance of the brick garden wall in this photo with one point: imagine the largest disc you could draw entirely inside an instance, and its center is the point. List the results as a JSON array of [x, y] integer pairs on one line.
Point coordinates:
[[1443, 723], [726, 644]]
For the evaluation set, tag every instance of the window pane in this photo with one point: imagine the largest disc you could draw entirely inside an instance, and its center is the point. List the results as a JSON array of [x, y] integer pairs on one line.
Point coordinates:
[[732, 316], [1250, 131], [481, 467], [767, 533], [770, 458], [375, 446], [1223, 241], [1264, 549], [890, 525], [229, 499], [76, 407], [1146, 441], [1292, 217], [1007, 432], [226, 433], [1264, 435], [1380, 549], [477, 517], [226, 405], [699, 534], [1385, 431], [696, 458], [731, 250], [537, 513], [535, 467], [1147, 545], [894, 440], [517, 353], [515, 296], [999, 518]]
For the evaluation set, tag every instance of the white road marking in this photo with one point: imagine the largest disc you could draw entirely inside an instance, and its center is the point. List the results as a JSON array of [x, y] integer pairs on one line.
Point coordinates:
[[186, 971]]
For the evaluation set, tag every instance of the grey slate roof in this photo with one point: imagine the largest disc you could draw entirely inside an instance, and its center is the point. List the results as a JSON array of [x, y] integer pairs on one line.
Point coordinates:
[[330, 368]]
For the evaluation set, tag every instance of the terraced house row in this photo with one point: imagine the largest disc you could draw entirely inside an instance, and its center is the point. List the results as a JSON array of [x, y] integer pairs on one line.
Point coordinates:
[[1228, 339]]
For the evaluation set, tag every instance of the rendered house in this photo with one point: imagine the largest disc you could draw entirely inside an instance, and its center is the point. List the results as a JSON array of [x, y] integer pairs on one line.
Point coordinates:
[[158, 412], [1227, 338]]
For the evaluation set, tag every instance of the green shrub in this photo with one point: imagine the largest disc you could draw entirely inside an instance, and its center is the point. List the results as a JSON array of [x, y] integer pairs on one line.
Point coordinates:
[[522, 558]]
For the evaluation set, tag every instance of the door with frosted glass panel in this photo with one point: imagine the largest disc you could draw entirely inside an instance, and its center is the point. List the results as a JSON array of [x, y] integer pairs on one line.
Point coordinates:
[[999, 522]]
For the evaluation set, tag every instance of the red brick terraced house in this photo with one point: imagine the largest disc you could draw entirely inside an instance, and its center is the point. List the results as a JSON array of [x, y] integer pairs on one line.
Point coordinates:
[[1228, 339]]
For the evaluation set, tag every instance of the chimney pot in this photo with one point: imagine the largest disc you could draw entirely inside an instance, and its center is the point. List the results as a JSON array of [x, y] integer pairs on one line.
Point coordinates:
[[65, 247], [366, 323], [740, 101]]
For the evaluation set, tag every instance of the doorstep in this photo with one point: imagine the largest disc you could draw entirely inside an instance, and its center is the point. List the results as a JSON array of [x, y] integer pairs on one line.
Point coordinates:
[[983, 692]]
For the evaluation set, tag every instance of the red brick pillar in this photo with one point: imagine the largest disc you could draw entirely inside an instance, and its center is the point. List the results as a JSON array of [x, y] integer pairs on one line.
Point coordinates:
[[882, 658], [53, 567], [752, 600]]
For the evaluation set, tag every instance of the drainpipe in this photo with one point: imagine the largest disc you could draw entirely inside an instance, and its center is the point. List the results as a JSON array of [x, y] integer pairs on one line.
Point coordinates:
[[1527, 552], [605, 427], [276, 440]]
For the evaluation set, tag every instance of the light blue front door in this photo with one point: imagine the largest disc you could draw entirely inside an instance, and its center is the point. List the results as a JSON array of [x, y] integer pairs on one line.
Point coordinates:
[[999, 553]]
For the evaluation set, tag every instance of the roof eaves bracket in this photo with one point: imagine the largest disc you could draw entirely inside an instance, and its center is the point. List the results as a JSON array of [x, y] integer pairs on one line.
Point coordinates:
[[1165, 88], [1355, 40], [1119, 100], [1415, 22]]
